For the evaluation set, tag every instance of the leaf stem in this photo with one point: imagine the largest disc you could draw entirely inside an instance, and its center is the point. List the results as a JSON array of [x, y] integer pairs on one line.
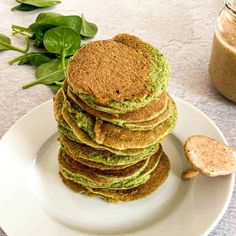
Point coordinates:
[[59, 83], [16, 31], [39, 81], [27, 41], [63, 59], [15, 60], [12, 47], [21, 29], [34, 82]]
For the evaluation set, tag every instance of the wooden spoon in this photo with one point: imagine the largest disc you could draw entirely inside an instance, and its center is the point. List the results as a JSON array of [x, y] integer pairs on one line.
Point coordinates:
[[208, 156]]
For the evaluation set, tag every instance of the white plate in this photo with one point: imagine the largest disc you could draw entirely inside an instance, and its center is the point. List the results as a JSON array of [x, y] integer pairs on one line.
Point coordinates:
[[34, 201]]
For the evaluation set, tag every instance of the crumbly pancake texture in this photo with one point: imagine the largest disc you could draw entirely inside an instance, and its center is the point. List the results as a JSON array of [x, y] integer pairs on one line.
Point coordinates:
[[157, 178], [97, 72]]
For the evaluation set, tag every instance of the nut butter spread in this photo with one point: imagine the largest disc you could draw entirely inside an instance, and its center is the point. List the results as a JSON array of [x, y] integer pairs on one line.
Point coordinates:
[[222, 67]]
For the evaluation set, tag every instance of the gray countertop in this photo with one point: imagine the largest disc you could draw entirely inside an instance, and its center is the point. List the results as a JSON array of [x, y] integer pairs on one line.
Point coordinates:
[[182, 29]]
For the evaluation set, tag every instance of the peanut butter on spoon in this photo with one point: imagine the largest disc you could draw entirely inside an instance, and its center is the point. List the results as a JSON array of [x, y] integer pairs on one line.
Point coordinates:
[[208, 156]]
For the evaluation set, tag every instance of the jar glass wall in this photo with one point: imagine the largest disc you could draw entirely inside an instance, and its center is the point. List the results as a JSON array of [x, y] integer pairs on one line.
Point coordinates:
[[222, 68]]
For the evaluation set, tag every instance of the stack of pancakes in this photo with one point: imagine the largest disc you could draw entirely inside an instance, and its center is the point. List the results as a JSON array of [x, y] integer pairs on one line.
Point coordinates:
[[112, 113]]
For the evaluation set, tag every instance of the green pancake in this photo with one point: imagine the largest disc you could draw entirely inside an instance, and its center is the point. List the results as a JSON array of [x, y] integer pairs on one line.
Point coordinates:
[[80, 151], [151, 124], [81, 116], [101, 178], [72, 131], [83, 137], [88, 179], [68, 133], [87, 121], [123, 58], [157, 178], [116, 137], [98, 165], [139, 117]]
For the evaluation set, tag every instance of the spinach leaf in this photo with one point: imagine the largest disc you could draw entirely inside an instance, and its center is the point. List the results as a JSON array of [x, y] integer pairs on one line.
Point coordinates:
[[5, 44], [24, 7], [39, 31], [54, 87], [48, 20], [58, 35], [46, 16], [40, 3], [88, 29], [73, 22], [48, 73], [62, 41], [32, 58]]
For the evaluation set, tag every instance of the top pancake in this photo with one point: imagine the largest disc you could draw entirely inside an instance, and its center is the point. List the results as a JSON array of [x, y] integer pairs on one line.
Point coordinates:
[[118, 75]]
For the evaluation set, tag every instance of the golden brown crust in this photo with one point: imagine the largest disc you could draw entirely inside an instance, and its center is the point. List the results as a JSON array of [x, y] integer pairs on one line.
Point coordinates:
[[78, 150], [58, 100], [157, 178], [111, 135], [70, 120], [78, 167], [161, 118], [108, 69], [99, 165], [140, 115]]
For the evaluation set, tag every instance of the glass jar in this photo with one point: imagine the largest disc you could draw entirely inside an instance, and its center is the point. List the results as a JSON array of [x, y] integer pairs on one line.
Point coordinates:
[[222, 67]]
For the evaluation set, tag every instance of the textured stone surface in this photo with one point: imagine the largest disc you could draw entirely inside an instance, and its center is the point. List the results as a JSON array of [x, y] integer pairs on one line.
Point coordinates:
[[181, 29]]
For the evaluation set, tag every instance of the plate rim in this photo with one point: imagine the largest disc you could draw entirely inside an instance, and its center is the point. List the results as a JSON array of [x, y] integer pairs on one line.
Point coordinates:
[[232, 176]]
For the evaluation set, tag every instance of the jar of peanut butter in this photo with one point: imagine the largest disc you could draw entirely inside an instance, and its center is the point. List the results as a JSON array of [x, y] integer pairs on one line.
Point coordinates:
[[222, 68]]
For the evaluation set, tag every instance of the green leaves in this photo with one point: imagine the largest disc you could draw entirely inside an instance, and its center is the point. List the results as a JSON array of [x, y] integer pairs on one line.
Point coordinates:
[[46, 21], [61, 40], [57, 37], [24, 7], [40, 3], [30, 5], [33, 58], [39, 31], [48, 73], [49, 18], [46, 16], [5, 44], [88, 29]]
